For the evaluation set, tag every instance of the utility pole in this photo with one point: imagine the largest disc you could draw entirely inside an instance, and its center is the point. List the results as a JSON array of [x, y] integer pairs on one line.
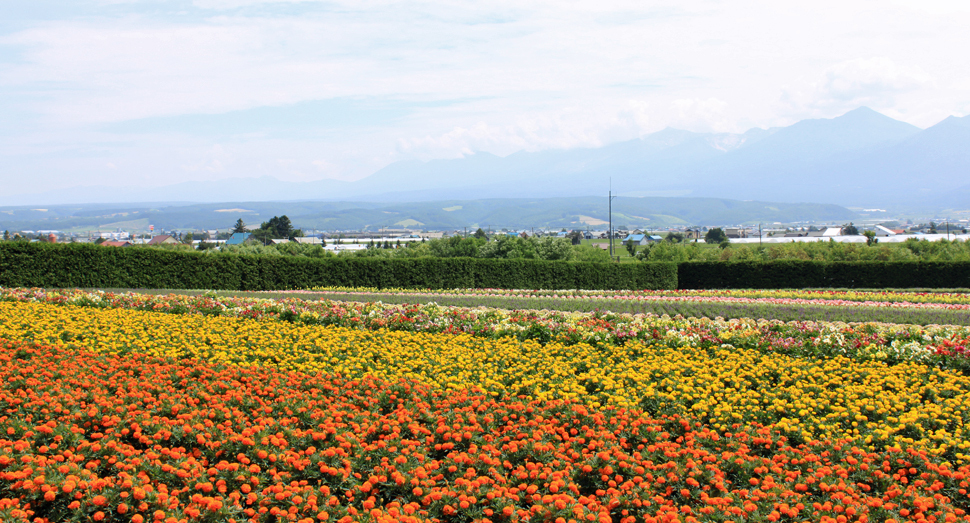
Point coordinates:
[[611, 216]]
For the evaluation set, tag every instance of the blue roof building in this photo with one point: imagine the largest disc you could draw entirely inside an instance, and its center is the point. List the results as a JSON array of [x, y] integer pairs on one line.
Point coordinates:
[[238, 238]]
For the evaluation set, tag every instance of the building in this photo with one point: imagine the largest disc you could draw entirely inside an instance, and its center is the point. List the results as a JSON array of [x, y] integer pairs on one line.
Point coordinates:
[[162, 239], [238, 238], [885, 231], [637, 239], [309, 240]]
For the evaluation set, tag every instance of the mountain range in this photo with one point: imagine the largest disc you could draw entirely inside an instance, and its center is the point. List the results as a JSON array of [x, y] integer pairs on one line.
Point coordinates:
[[860, 159], [587, 212]]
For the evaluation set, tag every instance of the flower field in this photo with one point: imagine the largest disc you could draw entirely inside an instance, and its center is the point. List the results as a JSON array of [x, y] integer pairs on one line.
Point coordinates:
[[129, 407], [938, 345], [946, 300], [137, 438]]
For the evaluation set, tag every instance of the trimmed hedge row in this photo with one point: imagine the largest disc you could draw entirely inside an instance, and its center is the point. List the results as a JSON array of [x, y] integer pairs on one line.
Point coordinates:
[[85, 265], [799, 274], [80, 265]]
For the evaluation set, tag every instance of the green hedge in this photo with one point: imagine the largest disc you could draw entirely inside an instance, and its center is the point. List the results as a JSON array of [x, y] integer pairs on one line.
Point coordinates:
[[79, 265], [792, 274]]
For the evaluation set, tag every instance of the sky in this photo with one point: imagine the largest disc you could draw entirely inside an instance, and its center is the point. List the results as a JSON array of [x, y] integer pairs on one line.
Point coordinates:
[[150, 93]]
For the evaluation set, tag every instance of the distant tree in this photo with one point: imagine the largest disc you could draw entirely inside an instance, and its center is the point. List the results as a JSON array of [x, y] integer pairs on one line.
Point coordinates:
[[240, 226], [631, 247], [187, 239], [99, 241], [480, 234], [576, 237], [6, 236], [932, 228], [276, 227], [715, 235], [850, 230], [674, 237], [870, 237]]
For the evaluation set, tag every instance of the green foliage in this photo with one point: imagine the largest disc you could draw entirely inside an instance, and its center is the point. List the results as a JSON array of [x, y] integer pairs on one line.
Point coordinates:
[[276, 228], [82, 265], [797, 274], [715, 235], [870, 238], [832, 251], [850, 230], [240, 226]]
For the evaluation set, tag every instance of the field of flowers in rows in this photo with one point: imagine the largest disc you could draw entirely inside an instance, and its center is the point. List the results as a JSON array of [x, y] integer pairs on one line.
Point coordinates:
[[854, 306], [937, 345], [103, 437], [808, 398], [956, 300], [128, 407]]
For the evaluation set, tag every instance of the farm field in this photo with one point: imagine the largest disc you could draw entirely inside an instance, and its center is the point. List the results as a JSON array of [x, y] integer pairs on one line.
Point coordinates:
[[917, 308], [136, 407]]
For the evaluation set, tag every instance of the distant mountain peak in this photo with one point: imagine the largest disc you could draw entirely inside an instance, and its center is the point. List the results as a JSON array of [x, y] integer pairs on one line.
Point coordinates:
[[955, 121]]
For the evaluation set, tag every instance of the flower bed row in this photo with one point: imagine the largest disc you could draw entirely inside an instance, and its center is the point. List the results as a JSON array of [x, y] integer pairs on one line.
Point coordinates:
[[134, 438], [954, 300], [941, 346], [870, 403]]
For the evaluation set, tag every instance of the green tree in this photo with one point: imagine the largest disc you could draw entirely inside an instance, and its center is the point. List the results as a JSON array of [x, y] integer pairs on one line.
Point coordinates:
[[576, 237], [187, 239], [480, 234], [870, 237], [546, 248], [277, 227], [6, 236], [932, 228], [674, 237], [850, 230], [240, 226], [715, 235], [631, 247]]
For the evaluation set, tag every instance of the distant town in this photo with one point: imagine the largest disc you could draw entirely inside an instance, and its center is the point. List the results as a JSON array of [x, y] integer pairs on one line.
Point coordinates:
[[349, 240]]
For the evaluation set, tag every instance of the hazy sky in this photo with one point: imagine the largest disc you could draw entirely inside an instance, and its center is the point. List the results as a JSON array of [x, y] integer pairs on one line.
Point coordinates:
[[127, 92]]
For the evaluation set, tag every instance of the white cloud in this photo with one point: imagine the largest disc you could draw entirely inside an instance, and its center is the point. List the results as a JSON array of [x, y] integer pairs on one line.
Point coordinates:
[[875, 82], [498, 76], [937, 7]]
